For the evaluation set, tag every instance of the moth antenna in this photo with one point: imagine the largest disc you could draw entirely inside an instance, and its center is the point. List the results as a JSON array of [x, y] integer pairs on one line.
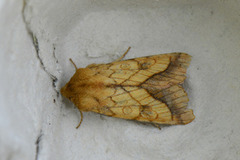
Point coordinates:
[[120, 58], [73, 63], [80, 120]]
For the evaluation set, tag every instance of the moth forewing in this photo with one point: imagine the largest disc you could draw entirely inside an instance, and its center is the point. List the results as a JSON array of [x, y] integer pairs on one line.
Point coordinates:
[[146, 89]]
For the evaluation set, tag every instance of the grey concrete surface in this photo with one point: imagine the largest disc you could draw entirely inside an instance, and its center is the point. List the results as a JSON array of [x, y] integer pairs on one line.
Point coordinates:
[[37, 38]]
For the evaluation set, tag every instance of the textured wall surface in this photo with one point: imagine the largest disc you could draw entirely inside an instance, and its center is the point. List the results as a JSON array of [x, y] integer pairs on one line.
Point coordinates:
[[37, 38]]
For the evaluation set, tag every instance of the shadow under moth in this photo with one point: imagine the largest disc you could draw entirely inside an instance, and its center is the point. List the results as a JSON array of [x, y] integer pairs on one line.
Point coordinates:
[[146, 89]]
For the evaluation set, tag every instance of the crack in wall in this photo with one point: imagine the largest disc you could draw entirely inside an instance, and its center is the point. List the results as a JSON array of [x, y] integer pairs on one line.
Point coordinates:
[[53, 78], [56, 61], [36, 46], [54, 53], [37, 143]]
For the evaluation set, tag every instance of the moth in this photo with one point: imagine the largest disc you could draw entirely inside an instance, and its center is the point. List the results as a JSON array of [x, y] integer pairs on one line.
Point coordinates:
[[146, 89]]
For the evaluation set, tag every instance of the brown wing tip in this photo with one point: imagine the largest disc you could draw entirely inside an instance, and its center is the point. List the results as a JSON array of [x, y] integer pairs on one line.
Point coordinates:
[[184, 118]]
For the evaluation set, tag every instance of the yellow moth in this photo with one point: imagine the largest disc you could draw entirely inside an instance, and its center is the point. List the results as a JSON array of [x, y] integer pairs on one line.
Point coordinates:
[[146, 89]]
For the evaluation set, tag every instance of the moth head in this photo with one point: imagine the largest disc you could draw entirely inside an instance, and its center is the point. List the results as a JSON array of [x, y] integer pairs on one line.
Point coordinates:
[[67, 91], [81, 101], [76, 87], [70, 89]]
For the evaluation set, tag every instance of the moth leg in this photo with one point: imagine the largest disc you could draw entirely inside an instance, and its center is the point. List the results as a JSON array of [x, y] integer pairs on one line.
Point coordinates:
[[80, 120], [120, 58], [73, 63], [156, 125]]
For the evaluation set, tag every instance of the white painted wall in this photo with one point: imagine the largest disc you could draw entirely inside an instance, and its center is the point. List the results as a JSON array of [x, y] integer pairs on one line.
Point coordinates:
[[36, 123]]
